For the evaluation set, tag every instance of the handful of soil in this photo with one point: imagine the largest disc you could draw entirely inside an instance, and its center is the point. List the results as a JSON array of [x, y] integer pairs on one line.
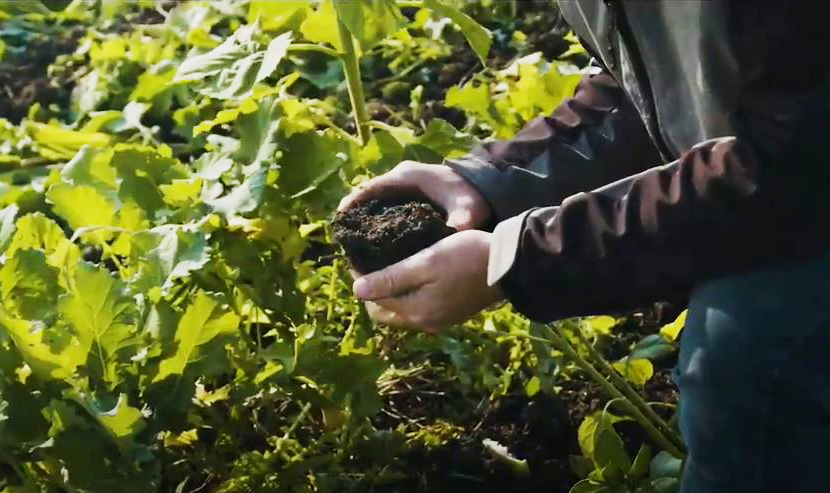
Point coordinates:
[[381, 232]]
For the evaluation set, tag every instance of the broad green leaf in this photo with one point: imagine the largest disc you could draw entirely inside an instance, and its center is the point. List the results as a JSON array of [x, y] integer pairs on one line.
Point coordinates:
[[153, 82], [195, 68], [308, 159], [244, 198], [321, 26], [181, 193], [226, 116], [652, 347], [29, 285], [41, 233], [369, 21], [533, 386], [83, 207], [258, 135], [470, 98], [141, 172], [445, 139], [59, 143], [89, 167], [478, 36], [277, 49], [672, 331], [212, 165], [96, 311], [7, 225], [609, 450], [602, 324], [169, 253], [640, 466], [204, 321], [122, 422], [49, 353], [665, 466], [636, 371], [275, 14]]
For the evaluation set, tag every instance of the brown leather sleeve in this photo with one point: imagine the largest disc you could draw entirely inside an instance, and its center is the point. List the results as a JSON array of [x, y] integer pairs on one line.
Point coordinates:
[[592, 139], [728, 205]]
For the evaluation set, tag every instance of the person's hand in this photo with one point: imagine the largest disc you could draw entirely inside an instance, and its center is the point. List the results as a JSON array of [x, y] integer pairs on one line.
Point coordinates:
[[437, 287], [466, 207]]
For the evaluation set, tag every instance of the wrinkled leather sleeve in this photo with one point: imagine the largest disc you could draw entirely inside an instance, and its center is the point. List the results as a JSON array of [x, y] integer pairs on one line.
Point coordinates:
[[594, 138], [728, 205]]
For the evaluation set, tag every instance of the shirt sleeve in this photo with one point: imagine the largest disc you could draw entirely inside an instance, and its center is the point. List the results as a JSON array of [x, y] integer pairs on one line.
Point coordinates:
[[594, 138], [729, 205]]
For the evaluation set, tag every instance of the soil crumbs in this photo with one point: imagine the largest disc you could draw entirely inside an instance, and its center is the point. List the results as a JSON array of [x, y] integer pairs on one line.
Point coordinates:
[[381, 232]]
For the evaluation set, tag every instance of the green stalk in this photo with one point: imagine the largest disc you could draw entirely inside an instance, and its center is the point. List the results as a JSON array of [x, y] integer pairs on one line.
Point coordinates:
[[351, 67], [613, 392], [620, 383]]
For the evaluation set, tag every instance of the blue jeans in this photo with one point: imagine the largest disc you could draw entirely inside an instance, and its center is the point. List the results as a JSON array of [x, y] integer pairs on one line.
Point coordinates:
[[754, 380]]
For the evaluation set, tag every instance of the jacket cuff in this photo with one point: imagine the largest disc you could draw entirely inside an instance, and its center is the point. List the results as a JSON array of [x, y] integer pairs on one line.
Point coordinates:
[[490, 181], [504, 247]]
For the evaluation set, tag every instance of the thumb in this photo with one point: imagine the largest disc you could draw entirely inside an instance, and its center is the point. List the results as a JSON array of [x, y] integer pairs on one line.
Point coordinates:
[[460, 219], [394, 280]]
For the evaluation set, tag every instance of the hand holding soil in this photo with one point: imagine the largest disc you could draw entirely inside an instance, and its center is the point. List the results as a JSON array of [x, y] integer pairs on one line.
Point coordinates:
[[465, 207]]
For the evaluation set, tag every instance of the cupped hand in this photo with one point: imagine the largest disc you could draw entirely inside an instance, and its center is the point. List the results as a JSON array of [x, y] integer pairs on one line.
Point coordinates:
[[440, 286], [466, 207]]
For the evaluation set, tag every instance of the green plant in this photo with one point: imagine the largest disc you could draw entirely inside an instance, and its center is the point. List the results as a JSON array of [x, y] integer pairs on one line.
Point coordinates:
[[173, 315]]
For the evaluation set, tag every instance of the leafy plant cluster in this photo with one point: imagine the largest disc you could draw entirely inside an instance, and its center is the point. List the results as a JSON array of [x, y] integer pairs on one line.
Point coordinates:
[[173, 315]]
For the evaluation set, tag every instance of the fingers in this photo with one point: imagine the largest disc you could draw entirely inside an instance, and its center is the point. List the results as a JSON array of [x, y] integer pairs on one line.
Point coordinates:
[[397, 279], [396, 179], [384, 316]]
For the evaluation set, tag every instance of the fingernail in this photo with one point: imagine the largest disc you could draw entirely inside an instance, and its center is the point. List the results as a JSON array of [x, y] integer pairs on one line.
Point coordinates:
[[361, 288]]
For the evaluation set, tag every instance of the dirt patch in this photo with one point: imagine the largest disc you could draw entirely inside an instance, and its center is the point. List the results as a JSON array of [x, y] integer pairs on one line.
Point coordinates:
[[381, 232]]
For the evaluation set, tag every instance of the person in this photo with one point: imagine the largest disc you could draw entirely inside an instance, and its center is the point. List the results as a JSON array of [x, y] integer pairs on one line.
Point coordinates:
[[692, 165]]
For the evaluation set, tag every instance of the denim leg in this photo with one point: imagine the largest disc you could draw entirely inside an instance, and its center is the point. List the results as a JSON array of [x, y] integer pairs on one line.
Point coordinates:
[[754, 380]]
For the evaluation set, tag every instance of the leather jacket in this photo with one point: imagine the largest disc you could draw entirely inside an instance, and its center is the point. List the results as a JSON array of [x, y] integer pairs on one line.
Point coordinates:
[[701, 150]]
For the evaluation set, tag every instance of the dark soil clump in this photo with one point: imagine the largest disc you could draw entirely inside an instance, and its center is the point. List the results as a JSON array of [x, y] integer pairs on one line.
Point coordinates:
[[381, 232]]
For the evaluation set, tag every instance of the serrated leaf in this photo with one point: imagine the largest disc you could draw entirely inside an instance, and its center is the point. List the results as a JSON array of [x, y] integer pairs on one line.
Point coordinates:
[[28, 285], [471, 98], [95, 310], [141, 172], [637, 371], [275, 52], [7, 225], [49, 353], [204, 321], [308, 159], [36, 231], [321, 25], [274, 15], [244, 198], [478, 36], [202, 66], [89, 167], [166, 254], [369, 21], [83, 207], [500, 452]]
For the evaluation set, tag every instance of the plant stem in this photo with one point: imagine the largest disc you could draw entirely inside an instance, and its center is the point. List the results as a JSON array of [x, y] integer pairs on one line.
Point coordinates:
[[314, 47], [351, 67], [635, 398], [613, 392]]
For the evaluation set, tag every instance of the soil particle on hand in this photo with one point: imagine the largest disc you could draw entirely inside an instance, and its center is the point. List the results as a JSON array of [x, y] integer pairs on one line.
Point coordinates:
[[381, 232]]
